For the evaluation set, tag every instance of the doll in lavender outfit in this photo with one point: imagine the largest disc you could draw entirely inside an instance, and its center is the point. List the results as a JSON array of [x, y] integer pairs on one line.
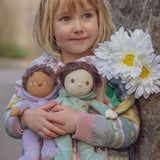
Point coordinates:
[[38, 88]]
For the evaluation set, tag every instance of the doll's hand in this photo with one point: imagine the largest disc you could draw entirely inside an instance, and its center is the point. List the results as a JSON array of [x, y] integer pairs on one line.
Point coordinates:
[[111, 114], [15, 112], [42, 122], [69, 116]]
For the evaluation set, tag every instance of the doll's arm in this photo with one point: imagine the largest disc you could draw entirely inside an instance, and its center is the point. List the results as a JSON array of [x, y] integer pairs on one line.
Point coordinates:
[[104, 109], [18, 108], [110, 114], [98, 131], [11, 124], [59, 100]]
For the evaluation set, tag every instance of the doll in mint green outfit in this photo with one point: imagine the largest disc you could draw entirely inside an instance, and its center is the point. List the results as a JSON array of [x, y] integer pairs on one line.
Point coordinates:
[[79, 81]]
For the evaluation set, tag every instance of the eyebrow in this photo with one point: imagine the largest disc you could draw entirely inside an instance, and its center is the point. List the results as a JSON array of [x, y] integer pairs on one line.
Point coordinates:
[[63, 13], [67, 12]]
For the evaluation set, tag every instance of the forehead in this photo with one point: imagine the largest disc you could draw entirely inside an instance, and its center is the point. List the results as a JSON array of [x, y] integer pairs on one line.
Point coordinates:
[[72, 4], [38, 75], [80, 74]]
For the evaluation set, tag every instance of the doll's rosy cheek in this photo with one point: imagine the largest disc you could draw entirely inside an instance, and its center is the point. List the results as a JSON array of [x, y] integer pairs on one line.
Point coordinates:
[[87, 83], [72, 80]]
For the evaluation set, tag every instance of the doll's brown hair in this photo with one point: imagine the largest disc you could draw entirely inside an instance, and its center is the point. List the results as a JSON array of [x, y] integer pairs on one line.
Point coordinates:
[[44, 68], [73, 66]]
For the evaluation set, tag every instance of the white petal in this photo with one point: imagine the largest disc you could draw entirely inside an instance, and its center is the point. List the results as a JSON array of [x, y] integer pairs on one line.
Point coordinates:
[[131, 90], [147, 89], [157, 82], [140, 91], [137, 96], [145, 95], [128, 85], [158, 59], [156, 89]]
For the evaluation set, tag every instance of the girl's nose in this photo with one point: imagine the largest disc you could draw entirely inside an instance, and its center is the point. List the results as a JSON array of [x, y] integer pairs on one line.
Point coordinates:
[[78, 27]]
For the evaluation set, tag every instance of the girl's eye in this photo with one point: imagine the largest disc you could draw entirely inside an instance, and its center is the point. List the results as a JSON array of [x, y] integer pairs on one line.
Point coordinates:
[[72, 80], [32, 83], [87, 83], [65, 19], [87, 16], [46, 82]]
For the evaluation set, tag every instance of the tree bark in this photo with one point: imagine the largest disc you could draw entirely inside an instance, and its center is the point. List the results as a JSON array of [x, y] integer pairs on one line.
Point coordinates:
[[143, 14]]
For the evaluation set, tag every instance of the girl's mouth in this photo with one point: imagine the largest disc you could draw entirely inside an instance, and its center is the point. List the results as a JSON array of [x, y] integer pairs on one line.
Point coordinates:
[[78, 39]]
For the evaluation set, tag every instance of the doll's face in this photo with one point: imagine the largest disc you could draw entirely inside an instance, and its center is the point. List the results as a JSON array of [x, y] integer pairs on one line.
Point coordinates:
[[39, 84], [79, 82]]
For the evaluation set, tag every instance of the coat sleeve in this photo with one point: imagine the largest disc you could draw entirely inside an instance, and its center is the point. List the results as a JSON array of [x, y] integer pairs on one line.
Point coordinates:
[[12, 126], [99, 131]]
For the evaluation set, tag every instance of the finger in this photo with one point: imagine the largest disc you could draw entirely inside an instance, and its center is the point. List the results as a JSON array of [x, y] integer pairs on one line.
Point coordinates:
[[58, 108], [53, 129], [52, 118], [47, 134], [49, 106]]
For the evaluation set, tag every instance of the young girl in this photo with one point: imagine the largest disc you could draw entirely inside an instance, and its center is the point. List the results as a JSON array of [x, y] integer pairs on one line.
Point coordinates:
[[69, 30]]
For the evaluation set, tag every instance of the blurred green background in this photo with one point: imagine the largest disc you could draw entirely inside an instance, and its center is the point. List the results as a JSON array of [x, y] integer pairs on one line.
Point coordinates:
[[16, 19], [17, 50]]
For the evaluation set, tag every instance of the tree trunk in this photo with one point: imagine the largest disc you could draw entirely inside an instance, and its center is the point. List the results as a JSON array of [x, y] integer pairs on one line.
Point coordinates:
[[143, 14]]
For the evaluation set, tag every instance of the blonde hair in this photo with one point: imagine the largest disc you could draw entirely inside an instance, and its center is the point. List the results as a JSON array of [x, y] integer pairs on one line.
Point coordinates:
[[43, 24]]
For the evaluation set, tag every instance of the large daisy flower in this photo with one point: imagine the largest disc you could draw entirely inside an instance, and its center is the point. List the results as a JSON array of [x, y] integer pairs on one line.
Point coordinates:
[[131, 58], [148, 81], [106, 50]]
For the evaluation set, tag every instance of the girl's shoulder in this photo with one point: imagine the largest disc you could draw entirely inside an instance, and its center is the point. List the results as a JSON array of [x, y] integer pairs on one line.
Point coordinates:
[[49, 60]]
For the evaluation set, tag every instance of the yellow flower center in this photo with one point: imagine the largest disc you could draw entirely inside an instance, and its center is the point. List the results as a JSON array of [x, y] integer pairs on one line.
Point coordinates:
[[144, 73], [129, 60]]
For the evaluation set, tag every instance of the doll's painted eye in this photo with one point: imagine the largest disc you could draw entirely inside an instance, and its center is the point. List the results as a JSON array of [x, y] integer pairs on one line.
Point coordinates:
[[87, 83], [72, 80], [46, 82], [32, 83]]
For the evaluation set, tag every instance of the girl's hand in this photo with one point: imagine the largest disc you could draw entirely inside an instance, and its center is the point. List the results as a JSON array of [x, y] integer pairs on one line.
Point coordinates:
[[43, 122], [69, 116]]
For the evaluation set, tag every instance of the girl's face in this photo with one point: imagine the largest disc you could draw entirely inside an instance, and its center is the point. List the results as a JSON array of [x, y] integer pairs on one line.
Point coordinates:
[[76, 30]]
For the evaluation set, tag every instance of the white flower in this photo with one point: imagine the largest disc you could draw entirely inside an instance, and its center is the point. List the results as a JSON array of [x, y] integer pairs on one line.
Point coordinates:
[[120, 35], [105, 50], [149, 80], [144, 38], [132, 59], [119, 57], [125, 64], [103, 59]]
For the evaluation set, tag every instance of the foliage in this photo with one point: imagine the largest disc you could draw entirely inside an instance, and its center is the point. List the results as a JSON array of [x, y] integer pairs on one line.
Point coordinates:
[[12, 50]]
